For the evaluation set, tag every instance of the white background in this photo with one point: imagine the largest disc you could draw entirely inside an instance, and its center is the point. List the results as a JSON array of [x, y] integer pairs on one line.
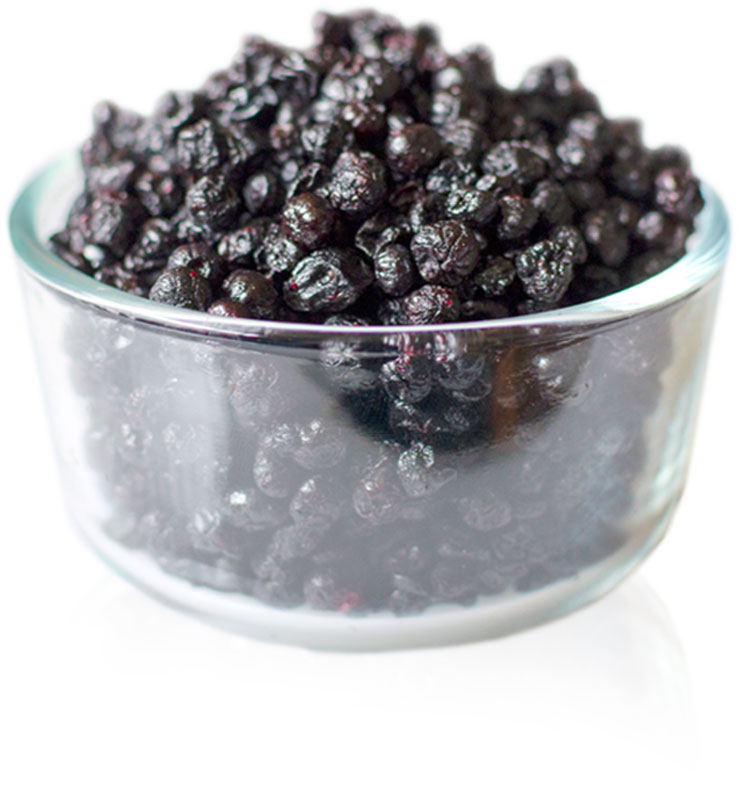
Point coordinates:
[[102, 690]]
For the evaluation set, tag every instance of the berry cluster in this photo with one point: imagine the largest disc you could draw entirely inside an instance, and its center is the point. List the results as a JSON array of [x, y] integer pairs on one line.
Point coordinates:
[[378, 173], [373, 179], [437, 471]]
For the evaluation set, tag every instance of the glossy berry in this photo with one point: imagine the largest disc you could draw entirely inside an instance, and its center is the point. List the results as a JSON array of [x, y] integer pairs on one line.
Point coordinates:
[[413, 149], [472, 206], [160, 193], [445, 252], [199, 148], [198, 257], [323, 142], [254, 292], [545, 271], [152, 247], [367, 167], [308, 220], [552, 203], [181, 287], [227, 308], [496, 277], [394, 268], [430, 304], [677, 193], [331, 279], [358, 183], [213, 203], [513, 163], [239, 247], [607, 237], [110, 221]]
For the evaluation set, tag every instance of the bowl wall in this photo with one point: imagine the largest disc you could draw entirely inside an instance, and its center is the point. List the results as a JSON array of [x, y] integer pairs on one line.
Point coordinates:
[[354, 489]]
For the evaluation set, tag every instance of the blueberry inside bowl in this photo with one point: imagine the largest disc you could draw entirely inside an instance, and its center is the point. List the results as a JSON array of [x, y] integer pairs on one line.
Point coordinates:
[[399, 420]]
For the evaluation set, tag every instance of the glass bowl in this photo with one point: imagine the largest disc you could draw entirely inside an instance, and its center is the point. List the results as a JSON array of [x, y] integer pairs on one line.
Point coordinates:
[[376, 487]]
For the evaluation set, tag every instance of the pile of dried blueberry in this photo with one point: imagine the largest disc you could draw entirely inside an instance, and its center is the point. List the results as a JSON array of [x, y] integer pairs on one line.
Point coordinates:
[[375, 173], [372, 179]]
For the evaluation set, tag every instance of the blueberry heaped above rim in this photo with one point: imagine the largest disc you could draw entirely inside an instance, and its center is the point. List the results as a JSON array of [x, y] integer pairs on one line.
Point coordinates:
[[377, 174]]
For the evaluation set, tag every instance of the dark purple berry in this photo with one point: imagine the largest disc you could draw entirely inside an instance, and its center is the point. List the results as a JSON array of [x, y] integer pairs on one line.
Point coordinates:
[[394, 268], [181, 287], [496, 277], [262, 193], [277, 254], [445, 252], [322, 143], [111, 221], [358, 184], [472, 206], [462, 139], [552, 203], [430, 304], [239, 247], [545, 270], [413, 149], [308, 220], [198, 257], [254, 292], [517, 217], [608, 239], [160, 193], [152, 247], [213, 203], [199, 147], [377, 232], [677, 193], [513, 163], [330, 280], [228, 308]]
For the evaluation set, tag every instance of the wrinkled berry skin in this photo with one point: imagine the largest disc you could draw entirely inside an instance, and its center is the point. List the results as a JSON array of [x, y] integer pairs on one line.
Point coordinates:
[[430, 304], [545, 271], [359, 470], [308, 220], [358, 184], [395, 273], [377, 143], [445, 252], [213, 203], [329, 280]]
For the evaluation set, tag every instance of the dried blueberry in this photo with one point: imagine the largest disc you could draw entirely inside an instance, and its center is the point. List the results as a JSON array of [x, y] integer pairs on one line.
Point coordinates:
[[256, 294], [308, 220], [180, 286], [413, 149], [445, 252], [329, 280], [394, 268], [358, 184]]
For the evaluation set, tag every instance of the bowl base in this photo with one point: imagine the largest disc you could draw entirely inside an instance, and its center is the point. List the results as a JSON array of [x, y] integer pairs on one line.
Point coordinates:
[[488, 618]]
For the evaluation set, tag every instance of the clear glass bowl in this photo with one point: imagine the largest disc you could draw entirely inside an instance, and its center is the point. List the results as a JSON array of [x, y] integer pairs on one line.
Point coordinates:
[[268, 476]]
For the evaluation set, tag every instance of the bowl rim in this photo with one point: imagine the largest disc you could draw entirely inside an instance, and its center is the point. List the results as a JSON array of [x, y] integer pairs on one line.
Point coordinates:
[[708, 247]]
